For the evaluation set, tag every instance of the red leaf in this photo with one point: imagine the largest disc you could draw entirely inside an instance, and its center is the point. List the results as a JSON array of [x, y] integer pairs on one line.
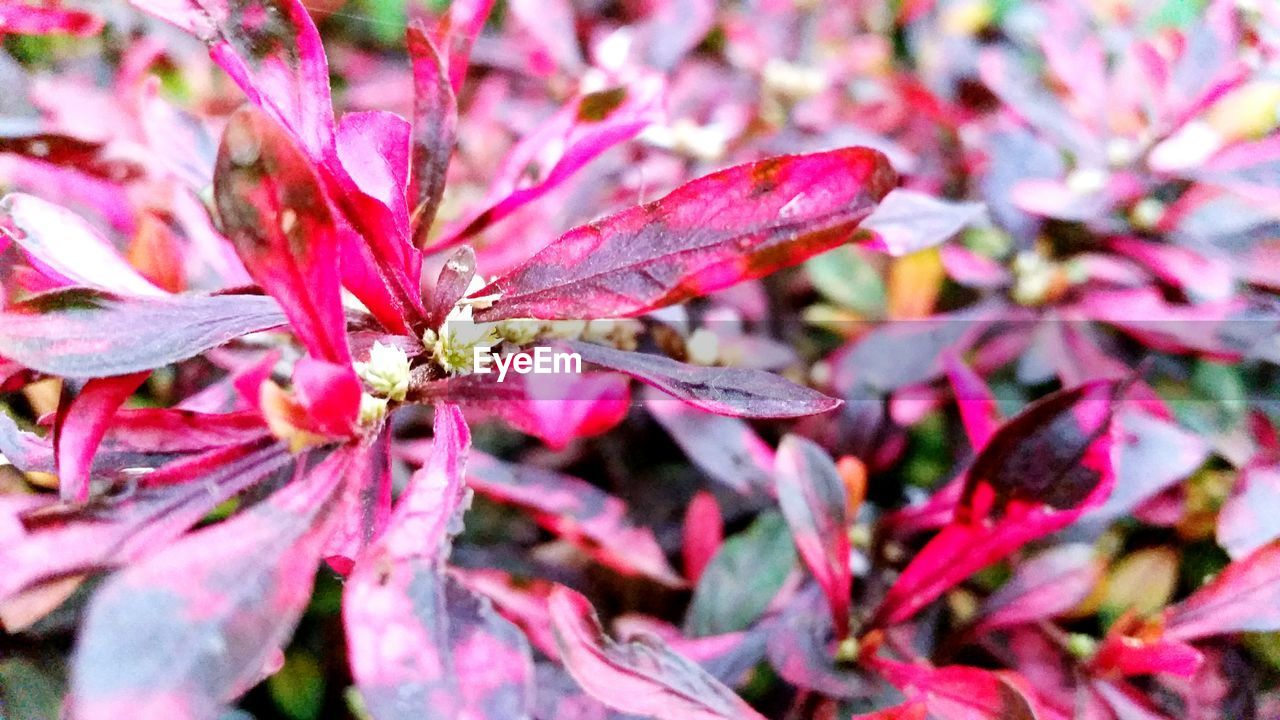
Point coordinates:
[[272, 50], [1245, 597], [978, 409], [457, 32], [1119, 655], [188, 629], [84, 334], [642, 676], [961, 693], [19, 18], [62, 244], [734, 225], [276, 214], [721, 390], [814, 503], [435, 117], [167, 430], [703, 533], [80, 425], [422, 645]]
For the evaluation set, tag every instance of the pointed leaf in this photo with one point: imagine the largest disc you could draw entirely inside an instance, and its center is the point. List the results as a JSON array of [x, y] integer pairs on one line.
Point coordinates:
[[725, 448], [742, 578], [721, 390], [185, 631], [84, 334], [451, 285], [906, 221], [1044, 586], [1243, 597], [814, 503], [734, 225], [59, 241], [642, 676], [276, 214], [435, 116], [80, 425]]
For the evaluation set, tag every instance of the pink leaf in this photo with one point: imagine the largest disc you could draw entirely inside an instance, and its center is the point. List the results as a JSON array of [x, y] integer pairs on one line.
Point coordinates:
[[78, 334], [642, 676], [1245, 597], [1246, 522], [166, 430], [814, 503], [721, 390], [1042, 587], [61, 243], [20, 18], [80, 425], [61, 542], [274, 210], [734, 225], [703, 533], [421, 644], [961, 693], [272, 50], [190, 628], [978, 408], [365, 505], [1126, 656], [435, 116], [457, 33]]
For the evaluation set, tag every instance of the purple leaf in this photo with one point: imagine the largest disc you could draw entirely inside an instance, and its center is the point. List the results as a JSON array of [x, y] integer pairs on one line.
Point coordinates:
[[84, 334], [1151, 455], [272, 50], [1245, 597], [814, 503], [906, 221], [80, 425], [61, 243], [276, 214], [435, 116], [451, 285], [188, 629], [721, 390], [576, 510], [725, 448], [734, 225], [421, 645], [642, 676]]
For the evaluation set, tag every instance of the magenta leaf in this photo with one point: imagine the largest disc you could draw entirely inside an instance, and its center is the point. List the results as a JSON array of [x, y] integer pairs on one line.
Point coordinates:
[[190, 628], [577, 510], [1243, 597], [642, 676], [63, 541], [721, 390], [725, 448], [961, 693], [272, 50], [276, 214], [1044, 586], [734, 225], [421, 644], [84, 334], [20, 18], [365, 506], [169, 430], [978, 408], [815, 505], [435, 116], [61, 243], [80, 425]]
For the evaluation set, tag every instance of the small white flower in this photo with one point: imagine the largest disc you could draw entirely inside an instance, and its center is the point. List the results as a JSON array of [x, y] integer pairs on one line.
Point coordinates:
[[372, 409], [386, 372]]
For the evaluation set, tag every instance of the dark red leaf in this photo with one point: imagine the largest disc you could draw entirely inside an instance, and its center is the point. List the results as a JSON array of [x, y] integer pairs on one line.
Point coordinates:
[[734, 225], [721, 390], [276, 214], [85, 334], [814, 503], [642, 676], [188, 629]]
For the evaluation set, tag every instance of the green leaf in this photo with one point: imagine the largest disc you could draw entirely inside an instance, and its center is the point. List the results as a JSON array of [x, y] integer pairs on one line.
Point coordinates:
[[742, 578], [846, 278], [298, 689]]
